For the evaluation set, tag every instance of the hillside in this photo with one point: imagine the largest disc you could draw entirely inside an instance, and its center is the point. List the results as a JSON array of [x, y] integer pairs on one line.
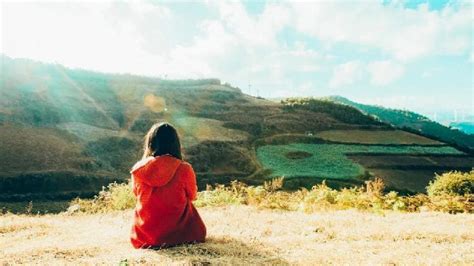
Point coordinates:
[[414, 122], [234, 237], [466, 127], [81, 130], [72, 123]]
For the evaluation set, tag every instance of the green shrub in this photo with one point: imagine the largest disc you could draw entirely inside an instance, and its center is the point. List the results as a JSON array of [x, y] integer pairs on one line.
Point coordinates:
[[452, 183], [451, 204], [221, 195], [371, 198], [113, 197], [343, 113]]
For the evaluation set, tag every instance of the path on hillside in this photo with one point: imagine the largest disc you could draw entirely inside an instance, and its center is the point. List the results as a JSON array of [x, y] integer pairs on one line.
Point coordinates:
[[245, 235]]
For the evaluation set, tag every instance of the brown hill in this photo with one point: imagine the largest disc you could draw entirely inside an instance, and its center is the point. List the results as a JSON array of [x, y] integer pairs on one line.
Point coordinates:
[[66, 132]]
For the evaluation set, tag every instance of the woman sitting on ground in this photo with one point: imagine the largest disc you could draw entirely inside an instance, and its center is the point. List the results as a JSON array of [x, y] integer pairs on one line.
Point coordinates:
[[165, 187]]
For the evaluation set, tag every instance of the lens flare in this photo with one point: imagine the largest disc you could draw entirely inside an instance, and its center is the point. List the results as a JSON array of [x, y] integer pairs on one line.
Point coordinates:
[[155, 103]]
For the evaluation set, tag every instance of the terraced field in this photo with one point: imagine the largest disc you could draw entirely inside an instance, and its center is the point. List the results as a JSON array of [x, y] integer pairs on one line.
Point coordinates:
[[411, 173], [331, 161], [406, 162], [195, 130], [376, 137]]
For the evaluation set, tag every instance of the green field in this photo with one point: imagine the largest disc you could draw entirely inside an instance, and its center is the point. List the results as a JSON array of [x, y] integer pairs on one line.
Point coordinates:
[[329, 161]]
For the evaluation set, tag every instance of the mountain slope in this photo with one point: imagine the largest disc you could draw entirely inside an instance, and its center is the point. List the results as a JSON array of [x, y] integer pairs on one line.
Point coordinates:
[[413, 122], [100, 120], [466, 127], [67, 132]]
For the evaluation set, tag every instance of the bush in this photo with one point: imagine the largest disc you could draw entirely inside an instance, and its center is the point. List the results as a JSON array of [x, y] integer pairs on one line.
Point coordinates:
[[452, 183], [221, 195], [343, 113], [322, 197], [113, 197], [451, 204]]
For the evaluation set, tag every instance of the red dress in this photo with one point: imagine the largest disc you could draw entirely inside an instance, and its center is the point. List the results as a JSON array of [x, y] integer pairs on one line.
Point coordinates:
[[164, 215]]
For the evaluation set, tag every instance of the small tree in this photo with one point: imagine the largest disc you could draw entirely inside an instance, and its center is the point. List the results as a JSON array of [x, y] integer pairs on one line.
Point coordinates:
[[453, 183]]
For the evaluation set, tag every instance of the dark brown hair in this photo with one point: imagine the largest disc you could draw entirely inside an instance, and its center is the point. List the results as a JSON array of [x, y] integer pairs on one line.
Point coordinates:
[[162, 139]]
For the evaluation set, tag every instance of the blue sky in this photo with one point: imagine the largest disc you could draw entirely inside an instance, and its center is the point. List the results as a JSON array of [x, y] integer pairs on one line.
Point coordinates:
[[405, 54]]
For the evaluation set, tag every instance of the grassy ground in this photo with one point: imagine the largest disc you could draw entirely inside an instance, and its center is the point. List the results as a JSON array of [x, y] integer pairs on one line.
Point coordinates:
[[246, 235]]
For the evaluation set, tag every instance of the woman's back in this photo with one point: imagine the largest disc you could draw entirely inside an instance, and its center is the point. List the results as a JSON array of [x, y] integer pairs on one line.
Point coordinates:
[[164, 216]]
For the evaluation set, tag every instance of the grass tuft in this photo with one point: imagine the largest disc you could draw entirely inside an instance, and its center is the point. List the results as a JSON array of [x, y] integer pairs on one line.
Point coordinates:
[[113, 197]]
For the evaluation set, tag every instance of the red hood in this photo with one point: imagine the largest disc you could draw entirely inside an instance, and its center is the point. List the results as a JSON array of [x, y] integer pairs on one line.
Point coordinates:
[[157, 170]]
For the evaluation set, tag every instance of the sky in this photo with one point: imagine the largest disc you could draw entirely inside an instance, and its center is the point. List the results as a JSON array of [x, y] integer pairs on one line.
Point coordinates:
[[415, 55]]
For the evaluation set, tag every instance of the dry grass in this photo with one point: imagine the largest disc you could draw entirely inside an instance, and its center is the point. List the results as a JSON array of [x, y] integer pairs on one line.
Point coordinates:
[[246, 235], [320, 198], [256, 225]]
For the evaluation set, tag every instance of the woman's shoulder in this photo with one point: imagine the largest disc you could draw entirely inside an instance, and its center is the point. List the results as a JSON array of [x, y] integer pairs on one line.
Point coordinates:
[[186, 165], [150, 159], [142, 163]]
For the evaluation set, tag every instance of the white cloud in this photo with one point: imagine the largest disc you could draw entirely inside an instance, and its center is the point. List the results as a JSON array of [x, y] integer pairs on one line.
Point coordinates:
[[346, 74], [426, 74], [401, 101], [381, 73], [304, 89], [424, 105], [405, 34], [95, 36], [384, 72], [244, 50], [201, 58], [252, 31], [227, 42], [310, 68]]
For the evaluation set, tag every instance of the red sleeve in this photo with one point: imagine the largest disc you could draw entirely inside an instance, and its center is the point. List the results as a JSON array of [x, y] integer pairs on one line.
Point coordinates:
[[190, 183]]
